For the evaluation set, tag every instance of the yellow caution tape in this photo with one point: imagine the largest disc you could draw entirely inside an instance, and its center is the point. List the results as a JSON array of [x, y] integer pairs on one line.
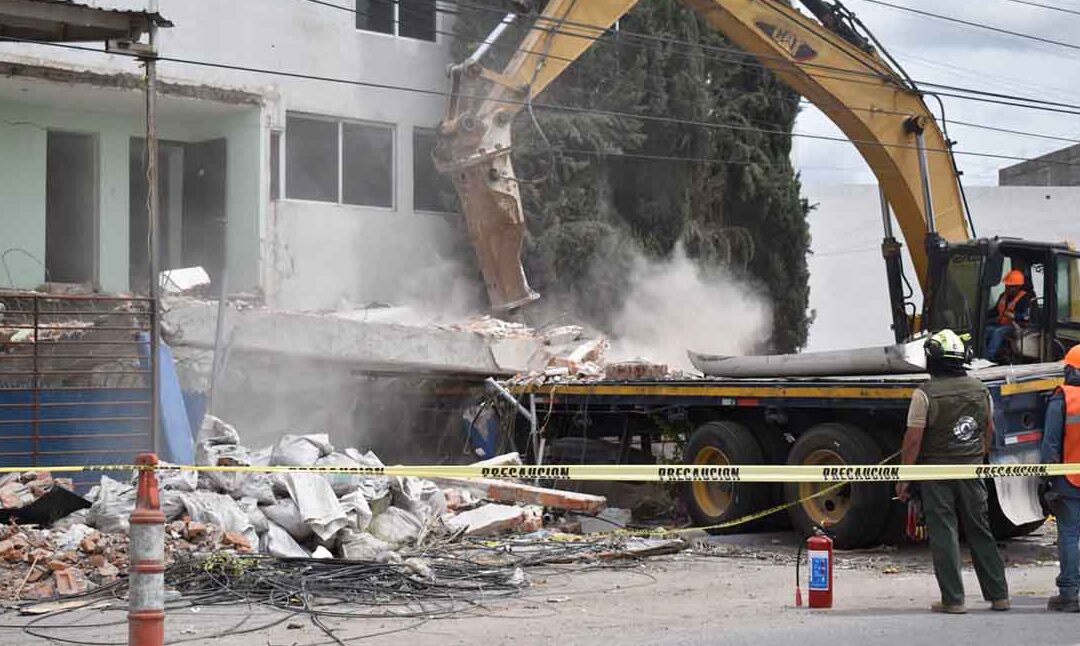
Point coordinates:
[[636, 472]]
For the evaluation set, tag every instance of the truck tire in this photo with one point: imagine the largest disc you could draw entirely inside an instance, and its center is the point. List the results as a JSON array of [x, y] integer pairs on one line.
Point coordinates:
[[712, 503], [1000, 525], [855, 514]]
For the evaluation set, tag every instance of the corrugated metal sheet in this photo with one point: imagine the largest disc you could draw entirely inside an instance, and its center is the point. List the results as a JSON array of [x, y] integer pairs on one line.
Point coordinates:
[[68, 21]]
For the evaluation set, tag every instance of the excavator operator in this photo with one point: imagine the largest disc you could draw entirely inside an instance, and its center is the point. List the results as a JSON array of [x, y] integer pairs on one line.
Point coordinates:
[[1011, 314]]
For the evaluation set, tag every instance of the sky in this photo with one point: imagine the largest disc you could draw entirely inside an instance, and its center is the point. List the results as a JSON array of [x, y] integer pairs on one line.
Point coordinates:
[[935, 51]]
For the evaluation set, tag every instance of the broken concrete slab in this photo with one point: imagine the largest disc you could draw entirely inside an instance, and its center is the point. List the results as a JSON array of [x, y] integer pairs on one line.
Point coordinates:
[[507, 491], [340, 338], [488, 520]]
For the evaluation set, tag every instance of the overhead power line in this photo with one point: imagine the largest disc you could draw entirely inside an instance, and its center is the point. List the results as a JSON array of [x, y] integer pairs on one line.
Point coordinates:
[[1045, 6], [977, 25], [549, 106], [869, 77]]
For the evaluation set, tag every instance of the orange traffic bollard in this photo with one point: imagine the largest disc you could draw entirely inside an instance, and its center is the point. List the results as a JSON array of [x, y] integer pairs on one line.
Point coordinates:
[[146, 575]]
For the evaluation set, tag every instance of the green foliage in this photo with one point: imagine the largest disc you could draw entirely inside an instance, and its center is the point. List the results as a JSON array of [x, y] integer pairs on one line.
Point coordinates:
[[740, 211]]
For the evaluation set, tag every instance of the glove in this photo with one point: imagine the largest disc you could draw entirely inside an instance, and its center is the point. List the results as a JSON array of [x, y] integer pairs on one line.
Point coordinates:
[[1047, 496]]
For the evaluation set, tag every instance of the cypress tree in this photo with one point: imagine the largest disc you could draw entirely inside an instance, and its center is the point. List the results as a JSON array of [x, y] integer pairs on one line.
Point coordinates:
[[737, 206]]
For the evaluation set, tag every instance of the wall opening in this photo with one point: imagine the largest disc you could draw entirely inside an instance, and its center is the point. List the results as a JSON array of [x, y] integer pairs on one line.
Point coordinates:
[[71, 179], [191, 194]]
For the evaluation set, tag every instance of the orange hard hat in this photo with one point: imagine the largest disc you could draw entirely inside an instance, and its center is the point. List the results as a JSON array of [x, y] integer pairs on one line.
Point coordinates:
[[1014, 278], [1073, 357]]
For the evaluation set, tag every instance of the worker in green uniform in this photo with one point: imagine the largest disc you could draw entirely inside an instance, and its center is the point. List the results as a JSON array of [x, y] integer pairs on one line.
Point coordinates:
[[950, 421]]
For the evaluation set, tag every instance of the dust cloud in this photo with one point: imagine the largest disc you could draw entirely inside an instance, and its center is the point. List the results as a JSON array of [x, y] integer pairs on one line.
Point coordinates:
[[674, 306]]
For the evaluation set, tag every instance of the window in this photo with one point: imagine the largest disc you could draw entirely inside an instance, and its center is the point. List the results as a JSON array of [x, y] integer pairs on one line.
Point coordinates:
[[311, 159], [368, 158], [406, 18], [335, 161], [1068, 288], [71, 178], [432, 190], [952, 308]]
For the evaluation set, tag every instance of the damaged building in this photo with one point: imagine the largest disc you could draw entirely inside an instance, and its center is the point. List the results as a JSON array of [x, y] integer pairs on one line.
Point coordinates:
[[288, 169]]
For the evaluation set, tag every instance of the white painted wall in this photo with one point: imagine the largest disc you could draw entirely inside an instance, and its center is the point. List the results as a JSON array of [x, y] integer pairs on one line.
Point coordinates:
[[847, 274], [303, 254]]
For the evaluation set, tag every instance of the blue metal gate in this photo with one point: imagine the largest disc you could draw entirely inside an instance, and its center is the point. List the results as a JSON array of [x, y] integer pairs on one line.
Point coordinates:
[[74, 380]]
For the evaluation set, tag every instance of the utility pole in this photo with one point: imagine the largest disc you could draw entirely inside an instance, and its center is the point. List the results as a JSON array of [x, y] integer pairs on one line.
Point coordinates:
[[150, 61]]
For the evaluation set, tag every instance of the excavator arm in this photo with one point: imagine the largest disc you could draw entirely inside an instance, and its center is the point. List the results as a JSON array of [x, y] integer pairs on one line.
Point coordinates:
[[828, 62]]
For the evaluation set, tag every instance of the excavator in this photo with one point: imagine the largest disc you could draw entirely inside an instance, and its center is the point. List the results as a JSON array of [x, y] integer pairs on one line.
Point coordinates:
[[838, 408], [834, 62]]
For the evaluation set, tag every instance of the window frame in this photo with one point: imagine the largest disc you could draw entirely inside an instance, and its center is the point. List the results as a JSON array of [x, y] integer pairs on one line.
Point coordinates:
[[434, 131], [340, 123], [395, 24], [1065, 262]]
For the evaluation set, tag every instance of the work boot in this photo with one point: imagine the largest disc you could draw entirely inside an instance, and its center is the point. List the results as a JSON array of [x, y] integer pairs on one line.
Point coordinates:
[[948, 608], [1058, 603], [1000, 604]]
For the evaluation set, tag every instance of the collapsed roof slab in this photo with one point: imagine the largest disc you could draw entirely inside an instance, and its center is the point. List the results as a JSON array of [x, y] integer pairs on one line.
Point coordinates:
[[369, 346]]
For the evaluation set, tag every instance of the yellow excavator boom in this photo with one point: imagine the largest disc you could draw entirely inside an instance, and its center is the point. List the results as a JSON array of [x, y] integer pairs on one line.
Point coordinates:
[[846, 78]]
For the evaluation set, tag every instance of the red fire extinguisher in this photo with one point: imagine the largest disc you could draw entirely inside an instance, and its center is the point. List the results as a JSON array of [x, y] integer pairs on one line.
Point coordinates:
[[819, 561]]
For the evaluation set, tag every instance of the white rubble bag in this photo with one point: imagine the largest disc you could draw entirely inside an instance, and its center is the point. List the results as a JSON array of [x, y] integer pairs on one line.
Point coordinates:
[[342, 483], [250, 507], [375, 488], [361, 546], [396, 526], [286, 515], [112, 507], [318, 505], [218, 444], [300, 450], [220, 510], [357, 510], [422, 498], [277, 542]]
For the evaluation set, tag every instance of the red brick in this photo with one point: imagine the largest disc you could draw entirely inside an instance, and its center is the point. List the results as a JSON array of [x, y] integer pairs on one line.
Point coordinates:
[[37, 573], [194, 531], [66, 583], [56, 566], [89, 546], [13, 555], [43, 590], [237, 539]]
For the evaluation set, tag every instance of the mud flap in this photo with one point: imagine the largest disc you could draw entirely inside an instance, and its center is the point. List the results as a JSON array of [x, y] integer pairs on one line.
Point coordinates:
[[1018, 497]]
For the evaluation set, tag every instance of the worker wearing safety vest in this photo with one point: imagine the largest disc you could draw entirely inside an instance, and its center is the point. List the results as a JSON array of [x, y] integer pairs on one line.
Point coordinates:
[[1061, 444], [1012, 311], [950, 421]]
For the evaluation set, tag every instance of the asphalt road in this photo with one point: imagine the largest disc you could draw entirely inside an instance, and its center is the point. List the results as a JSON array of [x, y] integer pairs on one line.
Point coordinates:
[[743, 596]]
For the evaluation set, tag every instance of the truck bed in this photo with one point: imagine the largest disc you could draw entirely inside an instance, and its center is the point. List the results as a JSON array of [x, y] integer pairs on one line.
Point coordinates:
[[851, 390]]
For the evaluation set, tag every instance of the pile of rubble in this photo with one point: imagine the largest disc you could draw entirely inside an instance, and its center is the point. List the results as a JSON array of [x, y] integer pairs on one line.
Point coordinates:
[[19, 490], [279, 513], [567, 353]]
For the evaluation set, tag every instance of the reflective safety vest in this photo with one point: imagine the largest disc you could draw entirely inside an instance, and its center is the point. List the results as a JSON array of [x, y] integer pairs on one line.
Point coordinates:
[[1071, 448], [1007, 310]]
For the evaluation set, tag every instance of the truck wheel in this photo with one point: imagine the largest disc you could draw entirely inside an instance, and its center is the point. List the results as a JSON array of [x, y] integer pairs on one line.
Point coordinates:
[[853, 514], [1000, 525], [712, 503]]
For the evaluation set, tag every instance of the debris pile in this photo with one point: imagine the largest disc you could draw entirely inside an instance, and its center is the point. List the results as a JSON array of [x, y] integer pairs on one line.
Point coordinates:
[[288, 514], [566, 353], [19, 490]]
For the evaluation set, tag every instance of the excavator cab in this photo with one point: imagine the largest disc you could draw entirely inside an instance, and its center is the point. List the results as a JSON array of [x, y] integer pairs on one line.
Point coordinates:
[[966, 281]]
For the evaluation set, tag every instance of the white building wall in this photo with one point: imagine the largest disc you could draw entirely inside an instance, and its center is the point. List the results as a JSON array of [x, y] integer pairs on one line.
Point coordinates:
[[303, 254], [847, 274]]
